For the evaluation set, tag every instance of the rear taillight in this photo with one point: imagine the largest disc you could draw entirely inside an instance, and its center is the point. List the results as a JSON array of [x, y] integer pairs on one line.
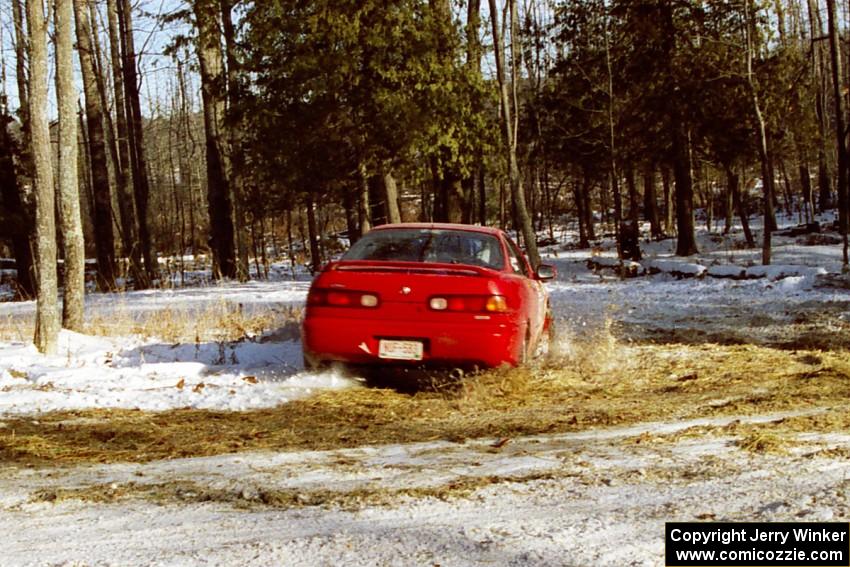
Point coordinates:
[[341, 298], [496, 304], [469, 303]]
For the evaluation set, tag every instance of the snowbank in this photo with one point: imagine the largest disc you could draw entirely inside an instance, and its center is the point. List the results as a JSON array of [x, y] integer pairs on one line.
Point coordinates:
[[778, 272], [127, 373], [727, 271], [678, 268]]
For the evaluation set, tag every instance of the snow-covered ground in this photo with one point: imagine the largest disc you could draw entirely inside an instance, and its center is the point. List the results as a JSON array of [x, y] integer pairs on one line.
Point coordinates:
[[591, 498], [151, 374], [598, 497]]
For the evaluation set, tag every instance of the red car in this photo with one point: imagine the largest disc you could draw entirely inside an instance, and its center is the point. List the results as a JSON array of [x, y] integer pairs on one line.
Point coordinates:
[[444, 295]]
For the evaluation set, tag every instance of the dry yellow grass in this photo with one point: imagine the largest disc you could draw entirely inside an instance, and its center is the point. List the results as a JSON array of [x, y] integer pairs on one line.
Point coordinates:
[[222, 321], [597, 383], [764, 442], [182, 491], [218, 321]]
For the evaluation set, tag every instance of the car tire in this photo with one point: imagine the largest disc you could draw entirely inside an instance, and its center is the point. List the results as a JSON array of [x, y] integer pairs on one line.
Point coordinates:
[[547, 347], [523, 355]]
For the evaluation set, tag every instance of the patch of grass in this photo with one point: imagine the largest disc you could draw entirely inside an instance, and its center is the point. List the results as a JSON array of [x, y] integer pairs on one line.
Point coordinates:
[[631, 384], [17, 328], [182, 491], [215, 321], [764, 443], [831, 453], [218, 321]]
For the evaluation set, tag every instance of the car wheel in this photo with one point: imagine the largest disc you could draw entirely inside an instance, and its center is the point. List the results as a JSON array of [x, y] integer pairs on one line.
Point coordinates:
[[548, 344], [523, 357]]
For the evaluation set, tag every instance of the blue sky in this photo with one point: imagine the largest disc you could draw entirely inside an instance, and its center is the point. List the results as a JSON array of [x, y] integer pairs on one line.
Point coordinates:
[[157, 70]]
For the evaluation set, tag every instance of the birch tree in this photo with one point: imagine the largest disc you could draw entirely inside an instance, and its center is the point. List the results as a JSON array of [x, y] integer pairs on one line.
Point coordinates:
[[47, 314], [68, 188]]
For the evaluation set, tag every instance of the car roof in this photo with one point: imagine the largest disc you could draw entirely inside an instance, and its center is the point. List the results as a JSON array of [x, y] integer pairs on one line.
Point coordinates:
[[441, 226]]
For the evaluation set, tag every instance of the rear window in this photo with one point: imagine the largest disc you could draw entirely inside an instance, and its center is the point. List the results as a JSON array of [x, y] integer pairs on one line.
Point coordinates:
[[429, 245]]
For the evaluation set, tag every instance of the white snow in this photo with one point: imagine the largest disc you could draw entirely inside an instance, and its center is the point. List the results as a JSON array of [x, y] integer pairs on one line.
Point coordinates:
[[596, 497], [727, 271], [96, 372], [136, 373], [676, 267], [775, 272], [607, 261]]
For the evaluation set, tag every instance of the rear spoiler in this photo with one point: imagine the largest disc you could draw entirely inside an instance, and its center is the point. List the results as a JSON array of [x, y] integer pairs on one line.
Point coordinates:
[[407, 267]]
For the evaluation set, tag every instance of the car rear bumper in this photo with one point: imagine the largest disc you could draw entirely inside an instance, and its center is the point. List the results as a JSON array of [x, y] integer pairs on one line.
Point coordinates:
[[483, 343]]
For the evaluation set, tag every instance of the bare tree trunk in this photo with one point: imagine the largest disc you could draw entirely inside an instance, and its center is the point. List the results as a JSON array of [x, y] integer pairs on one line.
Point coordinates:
[[363, 209], [612, 145], [806, 186], [634, 212], [101, 78], [263, 249], [290, 247], [126, 201], [141, 185], [482, 196], [21, 67], [508, 123], [450, 196], [819, 79], [350, 205], [588, 208], [452, 190], [728, 203], [84, 158], [733, 181], [187, 149], [68, 189], [14, 197], [707, 199], [650, 203], [686, 244], [18, 218], [578, 188], [219, 194], [473, 185], [669, 224], [47, 313], [840, 134], [184, 136], [315, 252], [391, 197], [236, 154], [104, 239]]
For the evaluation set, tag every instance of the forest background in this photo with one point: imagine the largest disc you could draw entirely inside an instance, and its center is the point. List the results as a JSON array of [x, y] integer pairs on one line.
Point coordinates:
[[148, 134]]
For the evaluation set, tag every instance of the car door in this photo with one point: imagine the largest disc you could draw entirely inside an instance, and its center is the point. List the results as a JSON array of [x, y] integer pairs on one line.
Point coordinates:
[[534, 299]]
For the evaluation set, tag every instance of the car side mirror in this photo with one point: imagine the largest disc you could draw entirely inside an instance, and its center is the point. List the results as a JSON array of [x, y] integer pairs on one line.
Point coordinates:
[[546, 272]]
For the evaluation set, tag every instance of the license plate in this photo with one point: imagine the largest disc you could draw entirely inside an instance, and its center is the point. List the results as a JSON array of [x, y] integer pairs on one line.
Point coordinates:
[[400, 350]]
